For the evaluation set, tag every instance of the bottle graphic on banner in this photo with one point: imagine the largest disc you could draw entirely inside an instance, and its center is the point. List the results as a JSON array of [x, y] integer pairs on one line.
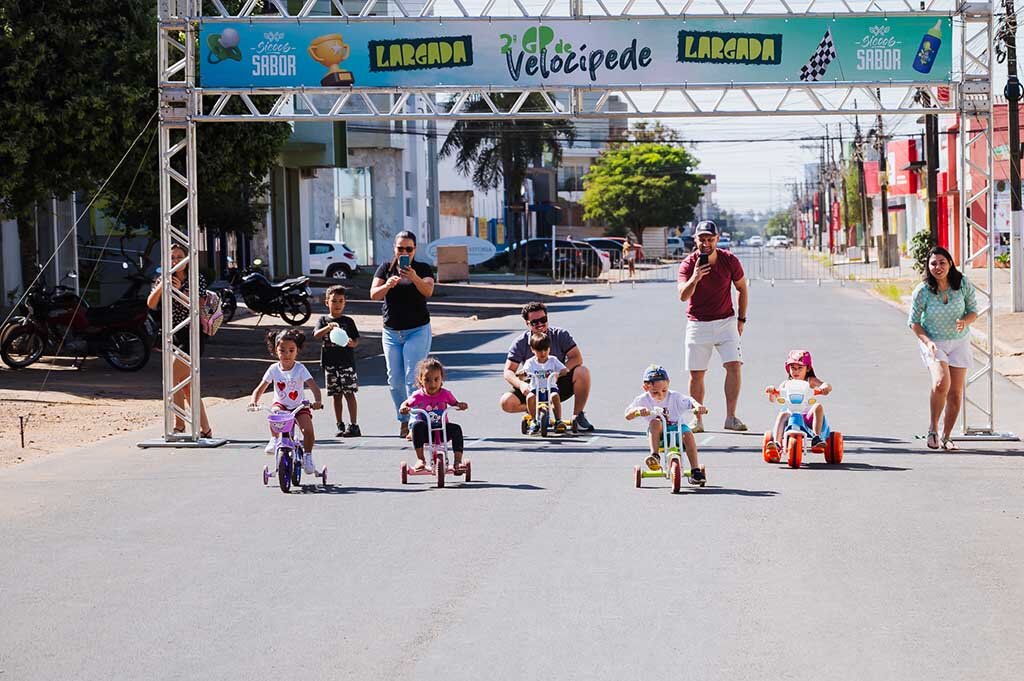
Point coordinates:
[[928, 49]]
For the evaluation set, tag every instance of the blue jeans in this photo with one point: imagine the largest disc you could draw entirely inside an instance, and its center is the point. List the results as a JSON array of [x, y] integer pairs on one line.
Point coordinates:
[[402, 351]]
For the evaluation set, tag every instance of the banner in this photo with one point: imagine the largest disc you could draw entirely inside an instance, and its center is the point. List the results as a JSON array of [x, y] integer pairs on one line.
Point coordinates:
[[646, 52]]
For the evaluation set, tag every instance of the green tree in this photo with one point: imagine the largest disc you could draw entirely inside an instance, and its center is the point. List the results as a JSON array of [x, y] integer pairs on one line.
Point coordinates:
[[780, 224], [77, 85], [496, 151], [642, 185], [646, 131]]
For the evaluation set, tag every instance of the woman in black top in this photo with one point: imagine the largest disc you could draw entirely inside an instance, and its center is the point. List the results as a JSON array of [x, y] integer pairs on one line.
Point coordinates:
[[406, 337], [181, 339]]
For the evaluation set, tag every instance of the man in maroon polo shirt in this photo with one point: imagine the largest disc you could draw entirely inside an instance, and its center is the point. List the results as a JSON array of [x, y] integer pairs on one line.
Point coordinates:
[[712, 323]]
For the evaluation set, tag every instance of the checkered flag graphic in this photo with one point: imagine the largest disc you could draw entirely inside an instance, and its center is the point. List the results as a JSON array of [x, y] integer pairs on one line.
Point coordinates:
[[816, 66]]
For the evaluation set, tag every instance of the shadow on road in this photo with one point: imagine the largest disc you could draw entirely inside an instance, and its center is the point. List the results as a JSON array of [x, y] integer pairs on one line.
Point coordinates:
[[817, 466]]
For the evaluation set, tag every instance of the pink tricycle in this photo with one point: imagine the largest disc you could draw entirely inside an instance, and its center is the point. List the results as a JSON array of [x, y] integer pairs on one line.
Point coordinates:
[[437, 438]]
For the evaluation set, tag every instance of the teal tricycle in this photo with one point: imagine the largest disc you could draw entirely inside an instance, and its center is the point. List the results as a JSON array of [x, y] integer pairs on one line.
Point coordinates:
[[671, 452]]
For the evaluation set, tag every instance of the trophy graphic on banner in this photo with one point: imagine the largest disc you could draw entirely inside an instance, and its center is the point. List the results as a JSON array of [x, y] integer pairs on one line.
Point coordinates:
[[331, 50]]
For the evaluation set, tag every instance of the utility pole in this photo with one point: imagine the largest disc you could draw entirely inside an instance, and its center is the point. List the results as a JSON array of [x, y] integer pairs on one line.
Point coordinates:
[[1013, 96], [842, 179], [883, 183], [858, 150], [931, 136]]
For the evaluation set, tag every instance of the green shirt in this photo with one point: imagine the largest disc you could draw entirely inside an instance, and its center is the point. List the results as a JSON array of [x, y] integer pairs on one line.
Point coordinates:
[[938, 312]]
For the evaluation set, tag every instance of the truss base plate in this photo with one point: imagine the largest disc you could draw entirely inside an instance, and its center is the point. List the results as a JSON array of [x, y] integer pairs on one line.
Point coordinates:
[[201, 443], [984, 436]]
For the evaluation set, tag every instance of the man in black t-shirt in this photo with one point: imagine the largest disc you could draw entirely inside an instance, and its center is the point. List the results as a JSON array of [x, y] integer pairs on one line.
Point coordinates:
[[574, 384], [339, 361]]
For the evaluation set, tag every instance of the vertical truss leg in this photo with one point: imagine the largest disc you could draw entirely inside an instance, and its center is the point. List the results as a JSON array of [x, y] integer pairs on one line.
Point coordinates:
[[179, 221], [976, 198]]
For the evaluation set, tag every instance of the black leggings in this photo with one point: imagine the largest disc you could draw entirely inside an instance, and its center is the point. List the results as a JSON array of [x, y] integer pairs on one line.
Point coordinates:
[[419, 435]]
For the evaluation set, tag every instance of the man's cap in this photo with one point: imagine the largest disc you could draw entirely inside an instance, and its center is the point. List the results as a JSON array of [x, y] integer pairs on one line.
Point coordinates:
[[655, 372], [705, 227]]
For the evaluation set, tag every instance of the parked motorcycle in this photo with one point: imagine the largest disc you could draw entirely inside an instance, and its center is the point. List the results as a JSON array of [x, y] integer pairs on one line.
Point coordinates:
[[57, 322], [288, 299]]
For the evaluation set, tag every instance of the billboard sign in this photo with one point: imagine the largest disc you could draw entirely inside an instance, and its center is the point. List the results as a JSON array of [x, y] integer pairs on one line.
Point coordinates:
[[575, 52]]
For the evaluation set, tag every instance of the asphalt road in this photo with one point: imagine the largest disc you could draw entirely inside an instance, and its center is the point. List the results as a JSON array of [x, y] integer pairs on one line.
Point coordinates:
[[119, 563]]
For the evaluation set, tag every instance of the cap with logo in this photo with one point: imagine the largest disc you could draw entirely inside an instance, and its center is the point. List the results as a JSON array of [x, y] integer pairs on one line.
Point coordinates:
[[705, 227], [655, 372]]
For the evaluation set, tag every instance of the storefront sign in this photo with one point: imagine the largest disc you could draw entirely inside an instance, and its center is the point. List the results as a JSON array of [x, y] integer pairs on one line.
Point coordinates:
[[575, 52]]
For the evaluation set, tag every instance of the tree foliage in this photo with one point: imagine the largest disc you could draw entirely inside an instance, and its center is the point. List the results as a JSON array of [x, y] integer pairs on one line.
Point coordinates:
[[77, 85], [496, 151], [656, 131], [780, 224], [631, 187]]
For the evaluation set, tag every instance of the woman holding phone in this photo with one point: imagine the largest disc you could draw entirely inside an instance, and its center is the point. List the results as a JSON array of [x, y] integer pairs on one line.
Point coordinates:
[[404, 284]]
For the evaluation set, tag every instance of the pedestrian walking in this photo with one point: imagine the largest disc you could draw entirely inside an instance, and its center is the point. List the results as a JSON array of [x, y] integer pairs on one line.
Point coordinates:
[[629, 255], [404, 284], [944, 306], [706, 279], [339, 361]]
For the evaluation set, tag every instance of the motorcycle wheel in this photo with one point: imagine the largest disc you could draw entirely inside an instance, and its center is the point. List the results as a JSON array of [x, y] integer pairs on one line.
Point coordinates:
[[296, 310], [126, 351], [228, 305], [21, 347]]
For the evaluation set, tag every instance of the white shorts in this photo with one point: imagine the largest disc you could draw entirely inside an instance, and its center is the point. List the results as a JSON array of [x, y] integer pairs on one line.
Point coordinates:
[[955, 353], [701, 337]]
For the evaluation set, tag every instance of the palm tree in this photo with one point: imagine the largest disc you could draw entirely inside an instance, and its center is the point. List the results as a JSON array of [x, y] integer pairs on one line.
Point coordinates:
[[495, 150]]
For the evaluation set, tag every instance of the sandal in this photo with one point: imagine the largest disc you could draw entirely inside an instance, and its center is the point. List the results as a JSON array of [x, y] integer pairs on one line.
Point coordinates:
[[933, 440], [206, 433], [949, 445], [420, 466]]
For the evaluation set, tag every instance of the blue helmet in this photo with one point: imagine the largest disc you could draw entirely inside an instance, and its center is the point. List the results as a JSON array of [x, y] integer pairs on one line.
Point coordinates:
[[655, 372]]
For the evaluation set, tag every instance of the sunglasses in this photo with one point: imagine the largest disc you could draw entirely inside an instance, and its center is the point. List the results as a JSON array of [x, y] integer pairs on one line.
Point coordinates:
[[405, 249], [539, 321]]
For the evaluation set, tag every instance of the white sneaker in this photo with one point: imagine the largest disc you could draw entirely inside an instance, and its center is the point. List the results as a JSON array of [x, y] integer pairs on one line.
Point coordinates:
[[307, 463], [271, 446]]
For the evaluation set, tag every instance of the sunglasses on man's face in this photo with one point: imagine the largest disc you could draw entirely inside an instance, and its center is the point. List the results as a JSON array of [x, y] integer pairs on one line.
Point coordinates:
[[539, 321], [405, 249]]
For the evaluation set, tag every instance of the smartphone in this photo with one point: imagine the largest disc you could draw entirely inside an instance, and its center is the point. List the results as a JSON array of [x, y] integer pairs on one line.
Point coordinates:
[[404, 261], [702, 259]]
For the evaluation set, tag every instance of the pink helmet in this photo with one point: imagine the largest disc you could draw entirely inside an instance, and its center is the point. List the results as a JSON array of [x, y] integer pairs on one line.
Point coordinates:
[[801, 357]]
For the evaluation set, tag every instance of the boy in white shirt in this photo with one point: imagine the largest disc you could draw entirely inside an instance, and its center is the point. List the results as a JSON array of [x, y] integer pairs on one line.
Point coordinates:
[[676, 405], [542, 363]]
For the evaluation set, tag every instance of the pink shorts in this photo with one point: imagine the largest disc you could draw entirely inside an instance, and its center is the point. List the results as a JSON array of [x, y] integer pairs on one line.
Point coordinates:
[[277, 406]]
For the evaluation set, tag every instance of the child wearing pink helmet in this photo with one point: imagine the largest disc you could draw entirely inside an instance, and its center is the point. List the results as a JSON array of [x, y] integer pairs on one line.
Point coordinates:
[[800, 368]]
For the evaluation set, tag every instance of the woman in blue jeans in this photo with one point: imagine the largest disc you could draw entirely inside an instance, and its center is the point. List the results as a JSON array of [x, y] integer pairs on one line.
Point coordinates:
[[404, 284]]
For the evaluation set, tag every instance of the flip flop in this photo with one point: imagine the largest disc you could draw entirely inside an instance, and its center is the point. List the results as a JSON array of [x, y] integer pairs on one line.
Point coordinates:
[[949, 445], [420, 466], [933, 440]]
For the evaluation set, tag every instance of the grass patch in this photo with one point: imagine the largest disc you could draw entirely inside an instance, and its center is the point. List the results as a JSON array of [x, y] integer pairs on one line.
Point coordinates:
[[892, 291]]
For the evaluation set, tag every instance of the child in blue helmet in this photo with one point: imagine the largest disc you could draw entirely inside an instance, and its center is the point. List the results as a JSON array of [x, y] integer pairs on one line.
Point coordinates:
[[677, 406]]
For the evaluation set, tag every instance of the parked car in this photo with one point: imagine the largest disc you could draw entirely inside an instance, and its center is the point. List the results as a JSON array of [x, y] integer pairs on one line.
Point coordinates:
[[755, 241], [611, 246], [621, 240], [778, 241], [572, 258], [724, 242], [332, 259], [676, 246]]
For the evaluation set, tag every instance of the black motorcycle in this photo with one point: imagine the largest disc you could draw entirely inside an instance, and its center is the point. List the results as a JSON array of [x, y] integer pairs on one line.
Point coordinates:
[[58, 322], [288, 299]]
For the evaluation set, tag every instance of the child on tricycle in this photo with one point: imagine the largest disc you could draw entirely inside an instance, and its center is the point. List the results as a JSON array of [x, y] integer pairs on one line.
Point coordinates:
[[661, 405], [801, 414], [432, 398], [542, 371]]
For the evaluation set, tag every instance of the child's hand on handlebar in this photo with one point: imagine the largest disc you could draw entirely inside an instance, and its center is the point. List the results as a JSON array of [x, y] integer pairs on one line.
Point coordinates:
[[462, 406], [700, 411], [317, 405], [641, 411], [404, 409]]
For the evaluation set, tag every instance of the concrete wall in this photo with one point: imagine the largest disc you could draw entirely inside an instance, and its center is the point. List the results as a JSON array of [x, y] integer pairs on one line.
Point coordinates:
[[388, 195]]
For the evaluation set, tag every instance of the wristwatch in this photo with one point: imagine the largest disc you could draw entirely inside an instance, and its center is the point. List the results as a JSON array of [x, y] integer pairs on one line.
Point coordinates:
[[742, 319]]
